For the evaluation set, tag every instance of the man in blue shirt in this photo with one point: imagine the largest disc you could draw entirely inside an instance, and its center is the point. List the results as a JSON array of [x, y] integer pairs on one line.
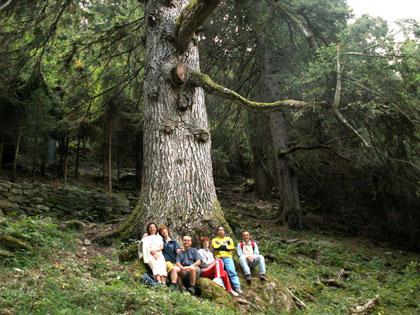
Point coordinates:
[[189, 261]]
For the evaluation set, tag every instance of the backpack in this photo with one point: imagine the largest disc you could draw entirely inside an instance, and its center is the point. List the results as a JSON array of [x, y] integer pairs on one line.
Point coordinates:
[[149, 280], [252, 244]]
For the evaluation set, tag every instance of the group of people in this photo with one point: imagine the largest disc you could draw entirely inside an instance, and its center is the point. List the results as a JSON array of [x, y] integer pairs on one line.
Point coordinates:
[[214, 260]]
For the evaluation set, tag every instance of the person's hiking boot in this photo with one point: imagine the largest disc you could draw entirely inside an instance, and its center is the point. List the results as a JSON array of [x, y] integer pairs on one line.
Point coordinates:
[[248, 278], [173, 287], [191, 290], [219, 282], [239, 291], [183, 290], [234, 293], [263, 277]]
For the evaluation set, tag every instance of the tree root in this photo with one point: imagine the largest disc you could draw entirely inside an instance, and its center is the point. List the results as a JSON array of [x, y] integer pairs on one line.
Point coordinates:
[[365, 308]]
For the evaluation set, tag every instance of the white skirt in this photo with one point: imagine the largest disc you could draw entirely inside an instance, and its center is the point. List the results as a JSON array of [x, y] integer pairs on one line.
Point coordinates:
[[158, 266]]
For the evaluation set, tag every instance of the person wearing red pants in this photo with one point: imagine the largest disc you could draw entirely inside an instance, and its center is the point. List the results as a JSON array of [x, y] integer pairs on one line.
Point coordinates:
[[213, 268]]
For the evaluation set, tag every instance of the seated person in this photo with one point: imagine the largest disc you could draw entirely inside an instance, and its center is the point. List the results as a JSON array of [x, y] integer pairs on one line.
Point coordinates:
[[152, 253], [170, 250], [189, 261], [213, 268], [249, 257], [223, 247]]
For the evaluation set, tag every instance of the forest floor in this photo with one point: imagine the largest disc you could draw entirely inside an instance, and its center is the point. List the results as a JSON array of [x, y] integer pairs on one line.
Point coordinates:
[[325, 274]]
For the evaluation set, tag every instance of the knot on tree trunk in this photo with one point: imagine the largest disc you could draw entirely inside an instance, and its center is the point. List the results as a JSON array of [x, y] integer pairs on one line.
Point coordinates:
[[201, 135], [179, 75], [184, 101], [168, 129]]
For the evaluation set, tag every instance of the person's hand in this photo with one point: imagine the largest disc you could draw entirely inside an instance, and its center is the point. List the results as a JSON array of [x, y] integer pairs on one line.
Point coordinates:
[[178, 250], [250, 258], [153, 253]]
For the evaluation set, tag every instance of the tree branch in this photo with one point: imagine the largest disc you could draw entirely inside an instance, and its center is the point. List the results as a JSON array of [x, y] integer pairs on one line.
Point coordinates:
[[336, 103], [203, 80], [191, 17], [5, 5]]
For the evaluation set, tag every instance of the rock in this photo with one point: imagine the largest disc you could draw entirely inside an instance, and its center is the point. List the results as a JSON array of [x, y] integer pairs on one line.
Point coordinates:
[[79, 242], [42, 208], [87, 242], [129, 253], [6, 254], [74, 225], [12, 243], [211, 291]]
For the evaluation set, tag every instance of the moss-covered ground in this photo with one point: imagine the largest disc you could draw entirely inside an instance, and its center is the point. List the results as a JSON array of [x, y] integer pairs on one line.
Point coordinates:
[[324, 274]]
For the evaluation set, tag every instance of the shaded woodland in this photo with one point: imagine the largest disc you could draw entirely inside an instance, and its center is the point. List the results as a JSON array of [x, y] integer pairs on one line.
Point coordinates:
[[337, 149]]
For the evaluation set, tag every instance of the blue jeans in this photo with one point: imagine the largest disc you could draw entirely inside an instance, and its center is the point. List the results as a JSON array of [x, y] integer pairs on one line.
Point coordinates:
[[231, 271], [246, 265]]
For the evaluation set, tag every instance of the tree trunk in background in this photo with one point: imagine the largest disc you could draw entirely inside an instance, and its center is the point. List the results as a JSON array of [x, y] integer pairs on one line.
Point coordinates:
[[139, 158], [76, 166], [109, 155], [1, 154], [16, 158], [260, 141], [289, 206], [177, 178], [65, 162]]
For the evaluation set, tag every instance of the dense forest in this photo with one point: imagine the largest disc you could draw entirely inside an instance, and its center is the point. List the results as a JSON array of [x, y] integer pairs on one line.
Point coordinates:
[[181, 105]]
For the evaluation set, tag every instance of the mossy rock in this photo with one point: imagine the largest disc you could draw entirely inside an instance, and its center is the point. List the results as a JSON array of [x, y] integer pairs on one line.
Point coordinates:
[[12, 243], [128, 253], [5, 254], [211, 291], [74, 225]]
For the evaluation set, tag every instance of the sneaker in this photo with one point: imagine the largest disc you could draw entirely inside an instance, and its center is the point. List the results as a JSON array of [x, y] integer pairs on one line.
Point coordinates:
[[233, 293], [248, 278], [239, 291], [173, 287], [191, 290], [219, 282], [183, 290], [263, 278]]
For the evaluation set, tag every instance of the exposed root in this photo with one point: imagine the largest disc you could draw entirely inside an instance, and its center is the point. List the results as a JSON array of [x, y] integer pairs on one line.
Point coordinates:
[[365, 308]]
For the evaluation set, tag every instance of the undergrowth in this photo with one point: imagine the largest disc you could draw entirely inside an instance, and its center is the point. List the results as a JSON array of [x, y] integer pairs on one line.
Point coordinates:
[[59, 278]]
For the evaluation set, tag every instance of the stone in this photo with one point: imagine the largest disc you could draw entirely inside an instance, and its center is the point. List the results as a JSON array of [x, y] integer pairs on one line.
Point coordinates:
[[87, 242], [42, 208], [13, 243]]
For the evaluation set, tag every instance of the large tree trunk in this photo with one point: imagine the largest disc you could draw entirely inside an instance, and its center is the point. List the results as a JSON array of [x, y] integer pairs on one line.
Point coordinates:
[[76, 166], [177, 180]]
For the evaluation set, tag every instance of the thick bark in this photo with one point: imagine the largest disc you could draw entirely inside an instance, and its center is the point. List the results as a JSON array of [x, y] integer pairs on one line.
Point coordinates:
[[177, 181]]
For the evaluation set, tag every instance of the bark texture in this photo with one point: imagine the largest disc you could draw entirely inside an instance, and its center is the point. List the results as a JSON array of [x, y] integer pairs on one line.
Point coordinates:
[[177, 179]]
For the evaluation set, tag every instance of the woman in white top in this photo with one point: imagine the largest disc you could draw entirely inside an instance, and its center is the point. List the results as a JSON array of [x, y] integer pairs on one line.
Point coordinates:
[[152, 253]]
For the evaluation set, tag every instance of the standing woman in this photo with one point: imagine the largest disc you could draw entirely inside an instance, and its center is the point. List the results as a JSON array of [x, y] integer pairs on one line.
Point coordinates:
[[152, 253], [213, 268]]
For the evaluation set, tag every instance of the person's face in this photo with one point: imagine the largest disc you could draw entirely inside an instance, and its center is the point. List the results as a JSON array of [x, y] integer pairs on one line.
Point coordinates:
[[187, 242], [152, 229], [221, 231], [165, 233], [206, 244], [246, 236]]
